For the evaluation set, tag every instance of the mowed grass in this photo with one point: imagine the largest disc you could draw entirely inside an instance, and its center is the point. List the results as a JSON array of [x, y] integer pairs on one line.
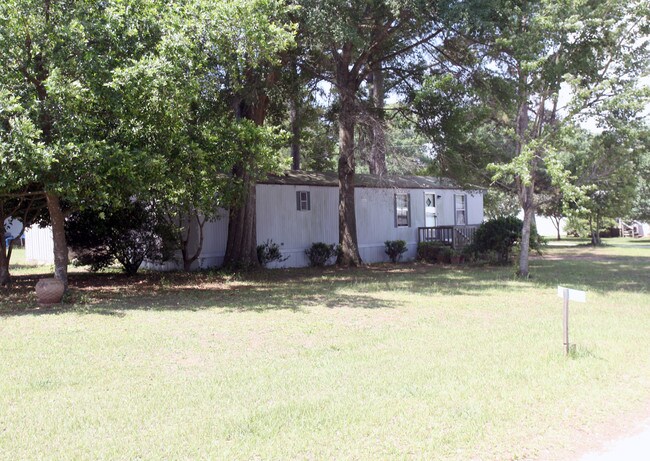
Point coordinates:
[[407, 361]]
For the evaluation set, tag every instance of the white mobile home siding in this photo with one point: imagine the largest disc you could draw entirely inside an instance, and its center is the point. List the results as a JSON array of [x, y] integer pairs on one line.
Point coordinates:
[[39, 246], [279, 220]]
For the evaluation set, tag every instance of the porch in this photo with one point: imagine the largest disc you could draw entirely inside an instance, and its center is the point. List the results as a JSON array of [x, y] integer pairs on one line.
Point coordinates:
[[455, 236]]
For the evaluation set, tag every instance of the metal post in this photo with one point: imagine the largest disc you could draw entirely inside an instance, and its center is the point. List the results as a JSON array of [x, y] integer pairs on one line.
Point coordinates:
[[566, 320]]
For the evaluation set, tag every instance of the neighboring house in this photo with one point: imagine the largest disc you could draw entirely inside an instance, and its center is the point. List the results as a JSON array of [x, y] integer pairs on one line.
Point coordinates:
[[298, 208]]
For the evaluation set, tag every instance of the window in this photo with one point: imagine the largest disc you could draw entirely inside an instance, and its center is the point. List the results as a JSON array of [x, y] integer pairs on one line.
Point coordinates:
[[302, 200], [460, 205], [402, 210]]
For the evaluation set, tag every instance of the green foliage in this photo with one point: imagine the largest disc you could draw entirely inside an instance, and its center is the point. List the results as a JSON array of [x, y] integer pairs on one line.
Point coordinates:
[[269, 252], [395, 249], [129, 234], [501, 235], [495, 114], [428, 251], [497, 203], [320, 254], [445, 254]]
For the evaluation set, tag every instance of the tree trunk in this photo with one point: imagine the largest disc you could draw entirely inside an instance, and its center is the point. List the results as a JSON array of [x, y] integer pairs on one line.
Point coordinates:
[[188, 259], [529, 212], [526, 191], [557, 224], [5, 277], [241, 248], [377, 159], [595, 236], [294, 115], [58, 235], [349, 254]]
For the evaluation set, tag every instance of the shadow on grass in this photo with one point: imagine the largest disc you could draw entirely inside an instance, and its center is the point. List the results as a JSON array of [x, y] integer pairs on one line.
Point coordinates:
[[299, 289], [115, 294]]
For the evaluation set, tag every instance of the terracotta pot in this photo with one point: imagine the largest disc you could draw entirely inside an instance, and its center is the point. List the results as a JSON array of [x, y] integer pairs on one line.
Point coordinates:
[[49, 291]]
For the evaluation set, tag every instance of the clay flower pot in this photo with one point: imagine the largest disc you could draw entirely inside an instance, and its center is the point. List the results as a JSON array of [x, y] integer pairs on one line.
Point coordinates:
[[49, 291]]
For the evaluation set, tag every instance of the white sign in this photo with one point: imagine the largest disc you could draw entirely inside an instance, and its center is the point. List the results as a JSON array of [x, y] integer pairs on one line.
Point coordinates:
[[574, 295]]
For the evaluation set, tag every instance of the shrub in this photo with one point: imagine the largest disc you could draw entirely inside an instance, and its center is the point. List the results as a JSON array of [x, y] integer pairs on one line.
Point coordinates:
[[269, 252], [320, 253], [445, 254], [129, 234], [501, 236], [428, 251], [395, 249]]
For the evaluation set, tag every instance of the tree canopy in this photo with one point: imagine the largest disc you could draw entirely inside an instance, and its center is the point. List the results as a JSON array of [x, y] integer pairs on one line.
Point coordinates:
[[186, 104]]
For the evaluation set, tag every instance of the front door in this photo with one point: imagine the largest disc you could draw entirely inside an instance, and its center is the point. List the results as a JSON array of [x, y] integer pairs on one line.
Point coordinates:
[[429, 210]]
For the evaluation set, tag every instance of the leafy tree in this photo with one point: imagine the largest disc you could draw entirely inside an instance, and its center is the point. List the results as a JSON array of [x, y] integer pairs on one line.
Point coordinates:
[[344, 42], [608, 174], [506, 75], [56, 106], [498, 204], [641, 206]]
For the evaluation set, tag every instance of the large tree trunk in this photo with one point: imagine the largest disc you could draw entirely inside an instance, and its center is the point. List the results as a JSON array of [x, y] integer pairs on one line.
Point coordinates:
[[294, 115], [58, 235], [349, 254], [377, 158], [241, 247]]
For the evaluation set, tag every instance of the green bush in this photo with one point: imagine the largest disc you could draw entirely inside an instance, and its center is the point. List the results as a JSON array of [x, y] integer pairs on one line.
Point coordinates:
[[269, 252], [320, 253], [428, 251], [500, 236], [129, 234], [445, 254], [395, 249]]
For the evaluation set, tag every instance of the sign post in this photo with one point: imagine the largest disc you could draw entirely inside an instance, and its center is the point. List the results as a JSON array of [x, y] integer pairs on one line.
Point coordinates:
[[574, 295]]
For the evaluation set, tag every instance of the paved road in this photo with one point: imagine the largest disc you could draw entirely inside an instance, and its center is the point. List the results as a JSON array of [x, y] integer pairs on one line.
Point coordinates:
[[635, 447]]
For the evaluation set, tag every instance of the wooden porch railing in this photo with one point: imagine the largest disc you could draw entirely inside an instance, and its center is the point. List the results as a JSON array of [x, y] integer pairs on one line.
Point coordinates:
[[628, 230], [456, 237]]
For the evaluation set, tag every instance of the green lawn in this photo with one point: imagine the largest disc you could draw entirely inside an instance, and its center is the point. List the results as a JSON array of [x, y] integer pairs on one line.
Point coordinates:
[[406, 361]]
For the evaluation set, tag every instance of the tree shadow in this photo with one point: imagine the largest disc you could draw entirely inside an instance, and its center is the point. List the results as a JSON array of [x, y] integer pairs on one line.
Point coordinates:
[[297, 290]]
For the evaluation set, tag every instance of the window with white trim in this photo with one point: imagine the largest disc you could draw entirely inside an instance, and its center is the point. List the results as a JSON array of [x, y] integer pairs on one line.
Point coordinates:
[[402, 210], [303, 200], [460, 207]]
